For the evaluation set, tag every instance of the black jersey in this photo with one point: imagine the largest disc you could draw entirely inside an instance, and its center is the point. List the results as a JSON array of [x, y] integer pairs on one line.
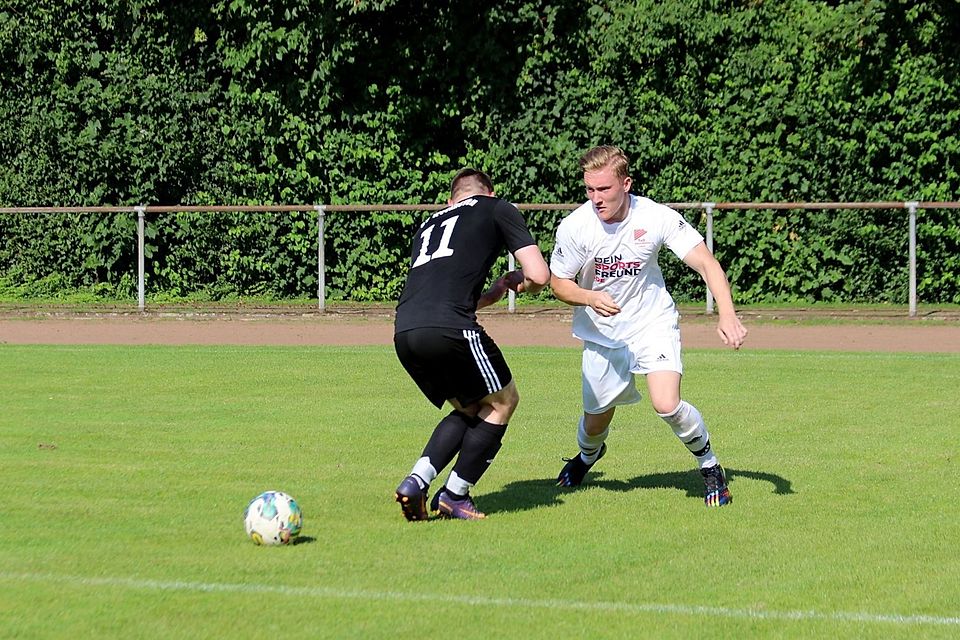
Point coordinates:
[[450, 261]]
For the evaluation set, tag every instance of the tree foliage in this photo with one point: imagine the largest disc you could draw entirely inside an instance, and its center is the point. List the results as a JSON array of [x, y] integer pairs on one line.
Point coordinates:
[[361, 102]]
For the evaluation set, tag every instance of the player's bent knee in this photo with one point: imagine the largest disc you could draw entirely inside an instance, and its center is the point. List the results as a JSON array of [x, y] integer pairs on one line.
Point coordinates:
[[665, 408], [508, 397], [501, 404]]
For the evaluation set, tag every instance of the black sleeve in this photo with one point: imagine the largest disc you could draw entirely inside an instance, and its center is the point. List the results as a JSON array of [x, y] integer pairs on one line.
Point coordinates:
[[512, 226]]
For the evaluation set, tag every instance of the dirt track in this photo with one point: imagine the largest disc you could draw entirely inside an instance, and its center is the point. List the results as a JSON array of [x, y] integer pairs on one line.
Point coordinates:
[[509, 329]]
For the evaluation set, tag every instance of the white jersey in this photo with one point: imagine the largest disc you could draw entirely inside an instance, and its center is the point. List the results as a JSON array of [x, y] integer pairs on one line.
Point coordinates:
[[621, 259]]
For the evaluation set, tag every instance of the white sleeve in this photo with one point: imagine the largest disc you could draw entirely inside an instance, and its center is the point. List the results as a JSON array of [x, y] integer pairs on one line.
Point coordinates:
[[678, 234], [568, 257]]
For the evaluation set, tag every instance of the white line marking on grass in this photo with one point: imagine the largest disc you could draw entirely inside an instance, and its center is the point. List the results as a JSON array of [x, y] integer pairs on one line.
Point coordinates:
[[569, 605], [834, 355]]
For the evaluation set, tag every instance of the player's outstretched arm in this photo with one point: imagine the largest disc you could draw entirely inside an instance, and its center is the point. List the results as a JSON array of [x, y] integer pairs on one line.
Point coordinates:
[[533, 275], [492, 295], [731, 331], [567, 290]]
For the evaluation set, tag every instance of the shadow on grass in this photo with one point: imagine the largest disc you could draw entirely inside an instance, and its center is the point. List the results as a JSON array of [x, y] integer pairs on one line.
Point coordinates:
[[523, 495], [303, 540]]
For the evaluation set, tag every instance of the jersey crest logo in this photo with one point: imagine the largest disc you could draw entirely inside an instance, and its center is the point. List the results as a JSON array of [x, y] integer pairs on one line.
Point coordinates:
[[638, 233]]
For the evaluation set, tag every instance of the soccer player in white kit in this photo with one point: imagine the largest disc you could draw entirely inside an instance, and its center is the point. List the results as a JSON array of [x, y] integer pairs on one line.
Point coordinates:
[[604, 263]]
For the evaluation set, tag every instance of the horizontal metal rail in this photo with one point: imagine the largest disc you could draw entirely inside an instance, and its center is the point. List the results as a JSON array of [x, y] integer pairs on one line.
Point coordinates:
[[331, 208], [708, 207]]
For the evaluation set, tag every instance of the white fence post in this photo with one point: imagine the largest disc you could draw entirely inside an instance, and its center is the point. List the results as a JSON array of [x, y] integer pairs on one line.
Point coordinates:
[[141, 262], [511, 294], [708, 207], [321, 266], [912, 209]]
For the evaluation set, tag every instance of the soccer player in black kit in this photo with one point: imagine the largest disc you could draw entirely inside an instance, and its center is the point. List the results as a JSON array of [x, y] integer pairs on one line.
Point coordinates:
[[445, 350]]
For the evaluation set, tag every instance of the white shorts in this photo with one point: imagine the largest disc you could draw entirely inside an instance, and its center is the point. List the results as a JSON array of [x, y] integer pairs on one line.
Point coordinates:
[[608, 372]]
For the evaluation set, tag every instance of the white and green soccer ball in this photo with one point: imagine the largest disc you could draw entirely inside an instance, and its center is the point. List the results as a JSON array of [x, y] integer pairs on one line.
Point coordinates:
[[273, 518]]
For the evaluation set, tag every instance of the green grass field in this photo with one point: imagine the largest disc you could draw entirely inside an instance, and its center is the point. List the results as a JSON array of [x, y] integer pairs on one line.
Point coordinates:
[[126, 471]]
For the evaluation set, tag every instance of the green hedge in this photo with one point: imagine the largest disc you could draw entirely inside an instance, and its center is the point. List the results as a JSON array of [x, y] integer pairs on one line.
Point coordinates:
[[358, 102]]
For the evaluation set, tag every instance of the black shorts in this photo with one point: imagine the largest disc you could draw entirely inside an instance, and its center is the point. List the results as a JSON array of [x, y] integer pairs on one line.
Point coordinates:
[[465, 364]]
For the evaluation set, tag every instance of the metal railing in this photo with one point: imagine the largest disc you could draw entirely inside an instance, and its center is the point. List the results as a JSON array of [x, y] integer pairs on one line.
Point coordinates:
[[707, 207]]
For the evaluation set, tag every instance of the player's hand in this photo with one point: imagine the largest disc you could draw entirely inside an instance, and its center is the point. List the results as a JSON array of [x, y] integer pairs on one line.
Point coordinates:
[[731, 331], [602, 302], [513, 280]]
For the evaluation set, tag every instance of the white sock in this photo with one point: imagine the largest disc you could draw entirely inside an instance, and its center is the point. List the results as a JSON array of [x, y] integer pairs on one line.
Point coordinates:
[[687, 423], [590, 445], [424, 472], [456, 484]]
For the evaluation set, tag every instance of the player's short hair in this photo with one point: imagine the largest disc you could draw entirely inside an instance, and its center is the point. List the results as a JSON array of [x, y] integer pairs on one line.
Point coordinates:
[[469, 179], [606, 156]]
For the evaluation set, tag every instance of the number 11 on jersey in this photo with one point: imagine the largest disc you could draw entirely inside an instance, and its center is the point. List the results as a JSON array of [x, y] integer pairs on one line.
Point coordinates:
[[442, 251]]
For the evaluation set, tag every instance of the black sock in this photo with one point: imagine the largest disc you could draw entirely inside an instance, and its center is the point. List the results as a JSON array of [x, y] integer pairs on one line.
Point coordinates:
[[447, 438], [480, 446]]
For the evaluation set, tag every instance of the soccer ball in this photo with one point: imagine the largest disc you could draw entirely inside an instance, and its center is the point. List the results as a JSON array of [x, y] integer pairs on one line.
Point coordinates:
[[272, 518]]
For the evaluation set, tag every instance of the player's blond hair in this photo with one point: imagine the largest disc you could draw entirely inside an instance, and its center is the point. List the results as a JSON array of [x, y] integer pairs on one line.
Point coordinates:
[[605, 156]]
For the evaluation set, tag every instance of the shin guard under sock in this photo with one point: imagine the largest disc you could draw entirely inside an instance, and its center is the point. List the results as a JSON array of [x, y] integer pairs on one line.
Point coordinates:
[[590, 445], [444, 444], [687, 423], [480, 446]]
